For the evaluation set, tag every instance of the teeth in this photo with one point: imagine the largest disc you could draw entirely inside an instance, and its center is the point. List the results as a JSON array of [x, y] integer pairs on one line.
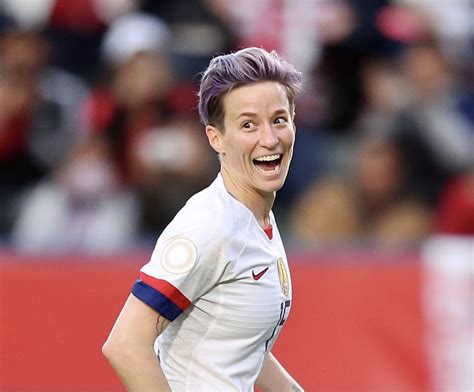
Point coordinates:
[[268, 158]]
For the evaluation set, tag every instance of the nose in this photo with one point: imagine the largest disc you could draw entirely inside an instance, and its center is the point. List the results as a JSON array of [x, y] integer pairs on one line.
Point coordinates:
[[268, 137]]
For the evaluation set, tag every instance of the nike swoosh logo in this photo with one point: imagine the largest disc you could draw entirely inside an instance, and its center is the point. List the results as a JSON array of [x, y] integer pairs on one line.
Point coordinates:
[[260, 274]]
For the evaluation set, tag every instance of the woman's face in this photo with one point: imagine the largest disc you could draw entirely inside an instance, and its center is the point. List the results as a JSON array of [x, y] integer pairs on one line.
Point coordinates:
[[256, 145]]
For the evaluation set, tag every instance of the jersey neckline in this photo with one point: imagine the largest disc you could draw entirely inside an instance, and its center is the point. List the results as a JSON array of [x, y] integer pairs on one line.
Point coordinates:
[[267, 230]]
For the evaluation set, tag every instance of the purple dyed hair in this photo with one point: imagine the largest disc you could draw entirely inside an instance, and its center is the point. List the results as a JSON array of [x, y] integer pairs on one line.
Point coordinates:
[[249, 65]]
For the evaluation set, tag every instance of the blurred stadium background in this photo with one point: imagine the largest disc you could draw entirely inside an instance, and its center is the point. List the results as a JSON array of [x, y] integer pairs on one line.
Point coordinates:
[[100, 145]]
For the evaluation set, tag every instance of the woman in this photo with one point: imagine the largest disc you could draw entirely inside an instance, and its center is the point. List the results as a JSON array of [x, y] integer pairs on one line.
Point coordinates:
[[217, 290]]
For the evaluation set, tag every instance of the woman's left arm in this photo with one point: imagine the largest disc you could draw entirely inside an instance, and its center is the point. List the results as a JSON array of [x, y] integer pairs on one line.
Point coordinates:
[[274, 377]]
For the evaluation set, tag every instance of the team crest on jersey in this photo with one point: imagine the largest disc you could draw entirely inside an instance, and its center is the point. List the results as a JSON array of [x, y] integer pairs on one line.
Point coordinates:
[[283, 276], [179, 256]]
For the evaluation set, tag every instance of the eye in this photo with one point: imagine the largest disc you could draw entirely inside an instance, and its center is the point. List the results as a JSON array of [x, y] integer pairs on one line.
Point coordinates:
[[280, 120], [248, 125]]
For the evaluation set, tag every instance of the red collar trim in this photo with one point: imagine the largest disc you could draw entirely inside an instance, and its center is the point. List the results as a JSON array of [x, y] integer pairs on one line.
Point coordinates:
[[269, 231]]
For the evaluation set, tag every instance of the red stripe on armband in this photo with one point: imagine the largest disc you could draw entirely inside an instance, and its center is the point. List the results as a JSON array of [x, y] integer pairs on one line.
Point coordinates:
[[167, 289]]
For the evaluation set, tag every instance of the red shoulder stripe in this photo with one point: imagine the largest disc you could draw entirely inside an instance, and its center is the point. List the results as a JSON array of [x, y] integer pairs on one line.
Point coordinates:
[[167, 289]]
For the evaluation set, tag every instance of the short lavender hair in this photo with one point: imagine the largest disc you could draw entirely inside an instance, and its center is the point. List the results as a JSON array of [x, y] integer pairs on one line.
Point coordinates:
[[249, 65]]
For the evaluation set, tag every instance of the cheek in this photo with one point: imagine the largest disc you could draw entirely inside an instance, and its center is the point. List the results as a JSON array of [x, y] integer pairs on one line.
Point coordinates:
[[288, 138], [235, 153], [241, 147]]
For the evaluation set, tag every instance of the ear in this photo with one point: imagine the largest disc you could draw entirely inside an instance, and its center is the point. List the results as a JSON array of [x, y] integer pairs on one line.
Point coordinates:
[[214, 136]]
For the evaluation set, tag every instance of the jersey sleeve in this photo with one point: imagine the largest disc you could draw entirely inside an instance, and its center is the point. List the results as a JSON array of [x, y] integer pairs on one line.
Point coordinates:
[[189, 258]]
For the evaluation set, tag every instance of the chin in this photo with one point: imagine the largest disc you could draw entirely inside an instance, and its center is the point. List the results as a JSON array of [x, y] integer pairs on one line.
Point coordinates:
[[271, 186]]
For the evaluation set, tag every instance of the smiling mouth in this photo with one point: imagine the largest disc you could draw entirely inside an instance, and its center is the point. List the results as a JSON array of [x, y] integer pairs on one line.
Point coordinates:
[[268, 163]]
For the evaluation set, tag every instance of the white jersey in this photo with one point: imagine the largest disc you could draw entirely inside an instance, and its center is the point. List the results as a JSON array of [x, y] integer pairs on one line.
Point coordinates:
[[225, 284]]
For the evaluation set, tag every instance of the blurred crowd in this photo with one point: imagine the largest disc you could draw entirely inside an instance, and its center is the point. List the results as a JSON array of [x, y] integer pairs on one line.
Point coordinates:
[[100, 143]]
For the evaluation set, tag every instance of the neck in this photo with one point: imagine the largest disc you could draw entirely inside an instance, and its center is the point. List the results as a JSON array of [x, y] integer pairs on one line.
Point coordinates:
[[260, 204]]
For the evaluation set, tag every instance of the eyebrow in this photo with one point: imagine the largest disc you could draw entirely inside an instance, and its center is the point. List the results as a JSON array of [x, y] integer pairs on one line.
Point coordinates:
[[252, 115], [281, 111], [247, 114]]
